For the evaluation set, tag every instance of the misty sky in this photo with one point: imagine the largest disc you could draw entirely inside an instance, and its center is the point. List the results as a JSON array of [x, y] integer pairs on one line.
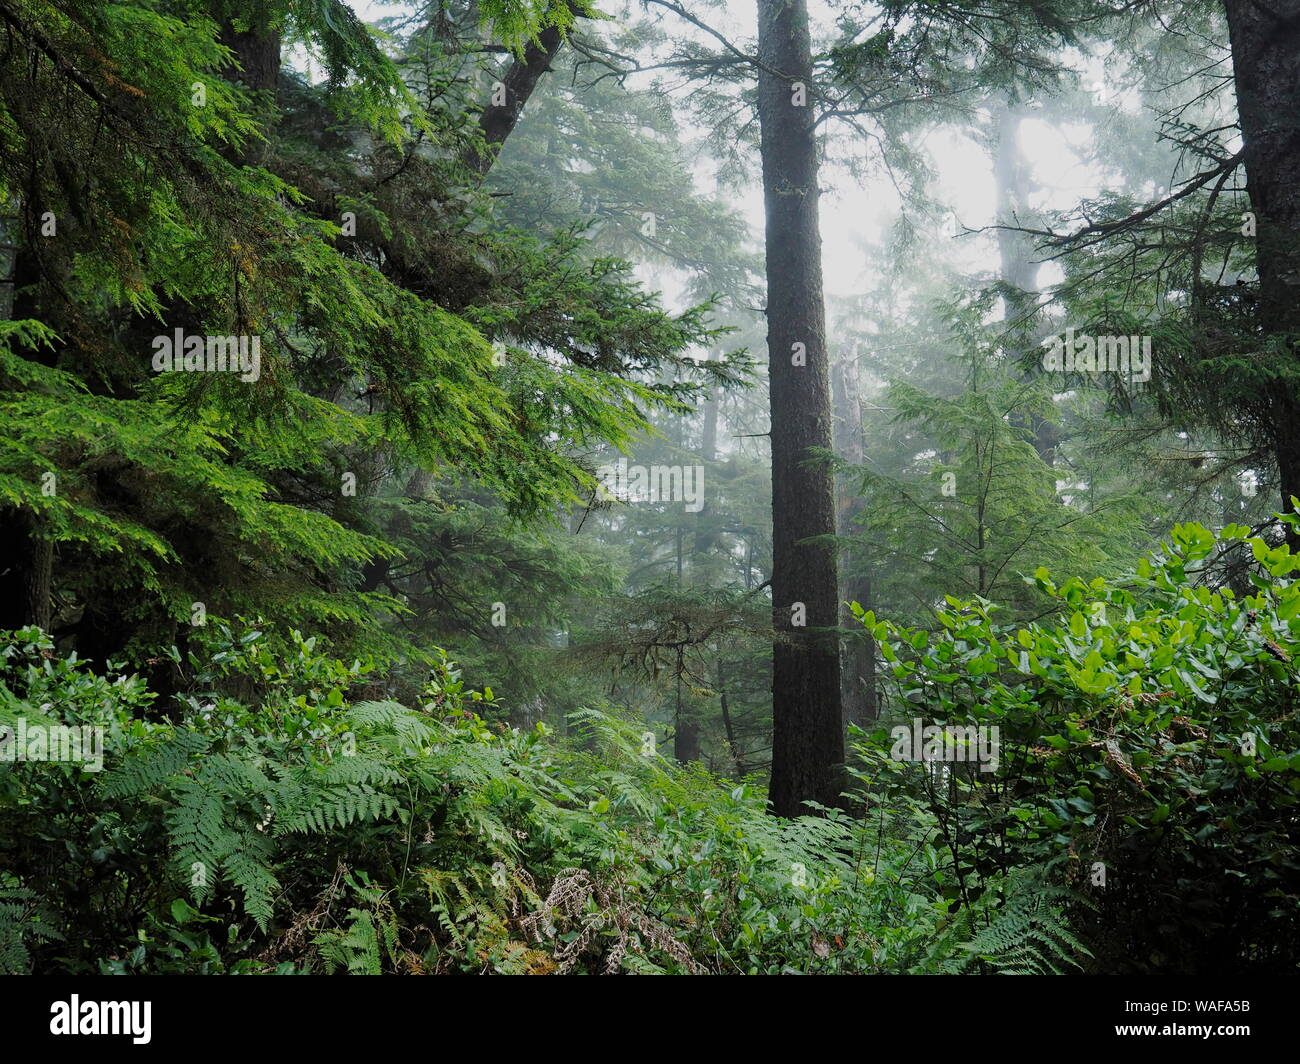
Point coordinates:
[[857, 212]]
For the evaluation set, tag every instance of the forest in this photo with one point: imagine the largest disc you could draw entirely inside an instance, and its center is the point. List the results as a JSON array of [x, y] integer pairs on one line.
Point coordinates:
[[696, 487]]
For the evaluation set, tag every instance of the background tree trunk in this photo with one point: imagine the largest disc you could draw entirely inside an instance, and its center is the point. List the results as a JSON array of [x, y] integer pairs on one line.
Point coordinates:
[[258, 53], [496, 123], [858, 660], [1017, 269], [26, 556]]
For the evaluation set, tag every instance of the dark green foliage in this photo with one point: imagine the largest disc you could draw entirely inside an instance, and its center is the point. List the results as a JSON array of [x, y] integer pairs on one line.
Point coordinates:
[[1148, 747], [310, 832], [174, 489]]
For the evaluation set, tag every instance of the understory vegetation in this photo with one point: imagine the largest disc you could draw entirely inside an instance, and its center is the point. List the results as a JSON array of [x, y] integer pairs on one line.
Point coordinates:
[[282, 822]]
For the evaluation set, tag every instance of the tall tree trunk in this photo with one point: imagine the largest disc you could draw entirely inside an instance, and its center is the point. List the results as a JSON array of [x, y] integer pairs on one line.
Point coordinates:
[[858, 660], [709, 434], [257, 54], [1017, 269], [26, 569], [706, 535], [807, 731], [732, 742], [686, 729], [1265, 41]]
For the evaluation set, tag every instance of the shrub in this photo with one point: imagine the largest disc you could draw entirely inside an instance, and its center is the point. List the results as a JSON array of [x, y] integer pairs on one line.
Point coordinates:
[[1150, 754]]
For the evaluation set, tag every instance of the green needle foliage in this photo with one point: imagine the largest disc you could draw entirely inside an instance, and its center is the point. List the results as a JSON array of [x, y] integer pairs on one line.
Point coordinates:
[[251, 495], [347, 655]]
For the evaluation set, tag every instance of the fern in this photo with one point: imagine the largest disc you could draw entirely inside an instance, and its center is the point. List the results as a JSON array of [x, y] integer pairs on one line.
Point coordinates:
[[338, 807], [361, 767], [1026, 933], [153, 762], [200, 838], [22, 918], [370, 936], [248, 867]]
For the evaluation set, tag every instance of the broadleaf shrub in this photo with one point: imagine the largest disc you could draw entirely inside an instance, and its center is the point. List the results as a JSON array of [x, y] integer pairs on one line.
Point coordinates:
[[1149, 752]]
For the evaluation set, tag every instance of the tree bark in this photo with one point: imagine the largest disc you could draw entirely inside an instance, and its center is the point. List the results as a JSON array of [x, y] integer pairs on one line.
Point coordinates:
[[1017, 270], [732, 743], [25, 572], [1265, 40], [807, 730], [257, 52], [26, 555], [686, 729], [709, 435]]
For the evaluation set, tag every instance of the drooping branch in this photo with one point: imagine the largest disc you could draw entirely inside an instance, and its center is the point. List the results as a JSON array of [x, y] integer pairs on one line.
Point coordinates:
[[1096, 232]]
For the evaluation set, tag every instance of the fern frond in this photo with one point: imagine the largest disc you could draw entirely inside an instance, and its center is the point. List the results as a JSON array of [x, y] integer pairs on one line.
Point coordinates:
[[145, 767]]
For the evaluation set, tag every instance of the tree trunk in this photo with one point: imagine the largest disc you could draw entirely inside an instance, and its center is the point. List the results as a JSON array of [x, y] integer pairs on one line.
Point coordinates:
[[858, 659], [1266, 69], [732, 743], [686, 729], [26, 556], [1017, 269], [498, 121], [709, 435], [686, 740], [807, 731], [25, 571], [257, 52]]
